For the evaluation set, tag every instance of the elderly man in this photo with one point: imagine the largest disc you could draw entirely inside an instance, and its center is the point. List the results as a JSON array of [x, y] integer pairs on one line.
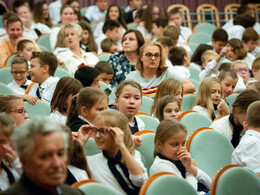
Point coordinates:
[[42, 147], [14, 30]]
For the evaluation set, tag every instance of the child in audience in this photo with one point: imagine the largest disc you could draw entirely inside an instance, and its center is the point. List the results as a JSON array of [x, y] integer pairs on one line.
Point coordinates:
[[19, 71], [228, 81], [209, 100], [106, 71], [231, 126], [43, 67], [87, 42], [180, 61], [88, 76], [10, 165], [167, 107], [109, 45], [168, 87], [66, 88], [158, 26], [119, 166], [129, 101], [172, 156], [175, 18], [25, 48], [219, 39], [196, 56], [246, 153], [167, 43], [255, 86], [243, 73], [250, 41], [210, 60], [85, 107], [256, 69]]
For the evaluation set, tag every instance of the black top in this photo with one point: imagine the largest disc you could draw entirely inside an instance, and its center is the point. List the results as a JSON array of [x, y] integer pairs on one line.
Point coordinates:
[[76, 124]]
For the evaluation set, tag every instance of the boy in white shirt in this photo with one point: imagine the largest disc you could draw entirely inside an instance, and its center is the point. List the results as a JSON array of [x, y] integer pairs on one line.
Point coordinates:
[[158, 26], [25, 48], [247, 153], [250, 41], [95, 12], [180, 61], [175, 18], [19, 71], [43, 67]]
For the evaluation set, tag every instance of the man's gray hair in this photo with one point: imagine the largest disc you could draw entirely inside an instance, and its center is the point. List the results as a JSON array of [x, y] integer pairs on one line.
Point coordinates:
[[23, 136]]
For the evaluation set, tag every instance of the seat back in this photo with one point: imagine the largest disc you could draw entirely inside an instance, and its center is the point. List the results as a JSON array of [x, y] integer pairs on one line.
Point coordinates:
[[185, 12], [93, 188], [83, 11], [5, 90], [188, 102], [196, 84], [194, 120], [91, 147], [104, 57], [60, 72], [5, 75], [169, 184], [44, 40], [205, 27], [200, 37], [147, 104], [132, 25], [194, 73], [150, 122], [8, 61], [210, 150], [231, 99], [233, 179], [208, 13], [230, 10], [147, 148], [39, 109]]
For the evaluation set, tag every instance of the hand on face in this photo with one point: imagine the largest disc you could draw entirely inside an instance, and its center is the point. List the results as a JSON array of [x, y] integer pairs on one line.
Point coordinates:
[[83, 134], [10, 153], [223, 108], [184, 157], [118, 136]]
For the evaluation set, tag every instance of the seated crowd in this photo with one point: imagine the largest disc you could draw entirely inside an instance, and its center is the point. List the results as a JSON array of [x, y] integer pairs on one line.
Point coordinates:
[[96, 76]]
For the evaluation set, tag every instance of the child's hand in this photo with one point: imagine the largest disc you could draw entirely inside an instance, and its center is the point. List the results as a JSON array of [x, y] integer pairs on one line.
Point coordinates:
[[30, 99], [137, 140], [83, 134], [187, 161], [118, 135], [10, 153], [223, 108]]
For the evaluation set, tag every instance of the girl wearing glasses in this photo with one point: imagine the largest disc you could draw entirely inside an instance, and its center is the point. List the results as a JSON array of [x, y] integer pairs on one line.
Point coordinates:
[[14, 106], [119, 166], [236, 51], [151, 69], [85, 107]]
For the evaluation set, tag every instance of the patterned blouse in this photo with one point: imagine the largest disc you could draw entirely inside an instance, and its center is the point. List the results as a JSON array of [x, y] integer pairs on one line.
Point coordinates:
[[122, 67]]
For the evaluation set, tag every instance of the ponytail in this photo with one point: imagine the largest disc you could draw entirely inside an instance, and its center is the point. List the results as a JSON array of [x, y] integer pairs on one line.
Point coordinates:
[[72, 112]]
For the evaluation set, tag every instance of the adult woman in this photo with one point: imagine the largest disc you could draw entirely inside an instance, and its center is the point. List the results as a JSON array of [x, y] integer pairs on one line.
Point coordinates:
[[123, 63], [41, 14], [14, 106], [236, 51], [152, 12], [74, 56], [231, 126], [66, 16], [113, 13], [151, 68]]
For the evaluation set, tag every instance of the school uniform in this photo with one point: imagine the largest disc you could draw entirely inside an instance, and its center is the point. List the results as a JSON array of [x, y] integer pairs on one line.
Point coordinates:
[[185, 33], [35, 31], [45, 90], [104, 169], [54, 10], [163, 164], [209, 70], [204, 111], [247, 152], [181, 70], [8, 176], [240, 86], [93, 13], [75, 174], [137, 125], [19, 89], [78, 122], [58, 117]]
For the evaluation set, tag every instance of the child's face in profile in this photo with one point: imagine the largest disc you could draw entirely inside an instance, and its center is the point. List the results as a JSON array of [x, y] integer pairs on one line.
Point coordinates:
[[157, 31], [218, 45], [95, 82], [84, 37], [114, 49], [106, 78], [250, 45], [176, 20], [172, 145], [27, 51], [19, 73], [256, 74], [171, 110]]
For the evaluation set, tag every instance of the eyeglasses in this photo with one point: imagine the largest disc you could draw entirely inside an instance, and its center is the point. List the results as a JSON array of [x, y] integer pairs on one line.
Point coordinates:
[[150, 55], [102, 131], [18, 72], [21, 111], [242, 69]]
